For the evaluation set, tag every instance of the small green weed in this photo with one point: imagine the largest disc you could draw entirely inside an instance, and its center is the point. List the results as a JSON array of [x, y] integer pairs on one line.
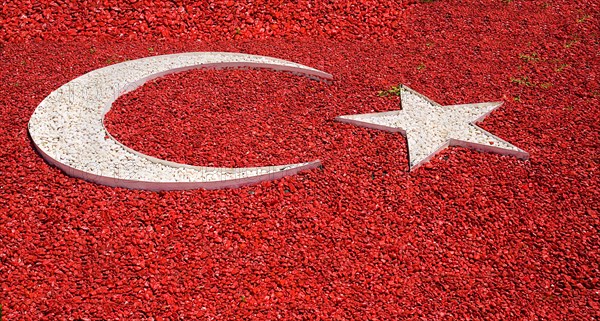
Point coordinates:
[[522, 81], [532, 57], [394, 91], [572, 42], [110, 61], [421, 66], [583, 18], [561, 67]]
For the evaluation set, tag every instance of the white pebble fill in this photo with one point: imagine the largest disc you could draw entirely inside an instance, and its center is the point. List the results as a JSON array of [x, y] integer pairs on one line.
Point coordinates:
[[429, 127], [68, 126]]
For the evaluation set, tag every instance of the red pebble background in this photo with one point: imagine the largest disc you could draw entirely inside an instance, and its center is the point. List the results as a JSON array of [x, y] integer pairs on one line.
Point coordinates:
[[470, 236]]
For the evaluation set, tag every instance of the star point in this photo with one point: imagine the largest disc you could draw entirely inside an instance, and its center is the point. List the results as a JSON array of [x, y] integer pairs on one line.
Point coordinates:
[[430, 127]]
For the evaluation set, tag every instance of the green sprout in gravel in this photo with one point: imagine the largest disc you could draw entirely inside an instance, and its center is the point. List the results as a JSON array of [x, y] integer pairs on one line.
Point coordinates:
[[522, 81], [561, 67], [583, 18], [573, 41], [532, 57], [394, 91]]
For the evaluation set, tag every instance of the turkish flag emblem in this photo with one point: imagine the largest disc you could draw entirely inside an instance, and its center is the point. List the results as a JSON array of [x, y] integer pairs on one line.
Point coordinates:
[[299, 160]]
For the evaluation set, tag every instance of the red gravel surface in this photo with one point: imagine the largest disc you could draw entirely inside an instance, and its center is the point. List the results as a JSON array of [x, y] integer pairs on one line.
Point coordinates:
[[470, 236]]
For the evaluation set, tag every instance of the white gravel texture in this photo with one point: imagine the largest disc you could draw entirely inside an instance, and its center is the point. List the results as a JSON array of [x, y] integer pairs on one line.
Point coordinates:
[[429, 127], [68, 129]]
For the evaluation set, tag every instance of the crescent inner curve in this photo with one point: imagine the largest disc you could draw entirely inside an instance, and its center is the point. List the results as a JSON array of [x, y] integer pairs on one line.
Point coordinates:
[[67, 127]]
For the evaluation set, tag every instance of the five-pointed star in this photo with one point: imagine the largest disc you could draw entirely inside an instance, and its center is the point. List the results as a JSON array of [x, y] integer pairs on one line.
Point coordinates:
[[429, 127]]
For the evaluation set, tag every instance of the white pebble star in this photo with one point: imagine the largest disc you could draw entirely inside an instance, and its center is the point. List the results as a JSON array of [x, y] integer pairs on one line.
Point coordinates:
[[430, 127]]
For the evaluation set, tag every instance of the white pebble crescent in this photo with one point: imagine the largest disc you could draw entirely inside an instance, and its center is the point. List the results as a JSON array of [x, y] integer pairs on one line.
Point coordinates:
[[429, 127], [67, 127]]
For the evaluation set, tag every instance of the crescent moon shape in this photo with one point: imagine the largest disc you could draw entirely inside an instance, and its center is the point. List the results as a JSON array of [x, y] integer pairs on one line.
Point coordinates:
[[67, 128]]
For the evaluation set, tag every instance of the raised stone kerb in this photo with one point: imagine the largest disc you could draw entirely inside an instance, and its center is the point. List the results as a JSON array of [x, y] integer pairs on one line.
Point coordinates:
[[430, 127], [67, 127]]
